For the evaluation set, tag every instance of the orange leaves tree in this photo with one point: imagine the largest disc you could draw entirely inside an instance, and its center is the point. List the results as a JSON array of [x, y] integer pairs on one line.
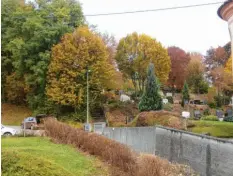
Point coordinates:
[[179, 62], [66, 83]]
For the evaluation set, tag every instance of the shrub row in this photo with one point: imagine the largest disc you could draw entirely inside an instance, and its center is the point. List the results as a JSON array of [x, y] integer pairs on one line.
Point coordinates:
[[210, 118], [118, 155]]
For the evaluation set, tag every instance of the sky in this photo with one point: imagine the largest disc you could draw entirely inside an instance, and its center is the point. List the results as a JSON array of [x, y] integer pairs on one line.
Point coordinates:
[[192, 29]]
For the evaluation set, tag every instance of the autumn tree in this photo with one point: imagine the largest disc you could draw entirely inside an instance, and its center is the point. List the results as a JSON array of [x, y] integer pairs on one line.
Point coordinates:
[[228, 66], [16, 89], [151, 99], [195, 76], [179, 62], [68, 67], [221, 79], [135, 52], [212, 92], [29, 30], [216, 57], [111, 44]]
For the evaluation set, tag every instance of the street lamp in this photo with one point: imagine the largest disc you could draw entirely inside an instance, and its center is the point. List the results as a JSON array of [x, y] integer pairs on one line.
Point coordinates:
[[88, 96], [87, 126]]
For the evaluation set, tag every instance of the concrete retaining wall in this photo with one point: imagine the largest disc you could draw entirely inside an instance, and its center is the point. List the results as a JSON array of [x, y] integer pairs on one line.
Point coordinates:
[[208, 156]]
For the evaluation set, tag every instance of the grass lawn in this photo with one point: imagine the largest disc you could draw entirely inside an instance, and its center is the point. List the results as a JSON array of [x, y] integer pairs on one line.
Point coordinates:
[[215, 128], [14, 115], [40, 157]]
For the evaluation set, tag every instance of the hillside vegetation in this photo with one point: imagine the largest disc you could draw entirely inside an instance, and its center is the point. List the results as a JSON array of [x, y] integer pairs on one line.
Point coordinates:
[[38, 156], [13, 114]]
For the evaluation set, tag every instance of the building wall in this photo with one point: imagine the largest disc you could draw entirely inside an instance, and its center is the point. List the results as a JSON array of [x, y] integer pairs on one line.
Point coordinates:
[[206, 155]]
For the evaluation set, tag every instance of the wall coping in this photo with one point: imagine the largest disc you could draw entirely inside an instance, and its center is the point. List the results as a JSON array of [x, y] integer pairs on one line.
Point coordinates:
[[180, 131]]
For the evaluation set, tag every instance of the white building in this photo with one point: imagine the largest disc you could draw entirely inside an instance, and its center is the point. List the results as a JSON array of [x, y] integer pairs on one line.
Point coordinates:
[[225, 12]]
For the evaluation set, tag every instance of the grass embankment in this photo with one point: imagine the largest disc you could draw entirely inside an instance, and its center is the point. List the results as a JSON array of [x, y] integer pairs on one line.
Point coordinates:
[[39, 156], [214, 128], [14, 115]]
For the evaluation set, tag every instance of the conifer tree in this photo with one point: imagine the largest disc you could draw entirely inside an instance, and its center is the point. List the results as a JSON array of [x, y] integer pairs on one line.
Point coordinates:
[[151, 99], [185, 93]]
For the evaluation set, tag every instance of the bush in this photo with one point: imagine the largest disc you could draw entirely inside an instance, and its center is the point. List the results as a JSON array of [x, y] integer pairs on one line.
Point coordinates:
[[206, 112], [212, 105], [228, 119], [222, 100], [210, 118]]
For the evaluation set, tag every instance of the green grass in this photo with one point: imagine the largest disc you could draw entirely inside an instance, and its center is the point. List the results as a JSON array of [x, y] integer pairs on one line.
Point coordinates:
[[215, 128], [38, 156]]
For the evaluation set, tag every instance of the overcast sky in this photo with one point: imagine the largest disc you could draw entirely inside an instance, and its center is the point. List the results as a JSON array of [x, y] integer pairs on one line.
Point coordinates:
[[192, 29]]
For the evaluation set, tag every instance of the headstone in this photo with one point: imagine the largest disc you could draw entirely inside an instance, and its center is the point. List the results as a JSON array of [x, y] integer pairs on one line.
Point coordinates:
[[197, 114], [124, 98], [165, 101], [219, 113], [186, 114], [168, 94], [229, 112]]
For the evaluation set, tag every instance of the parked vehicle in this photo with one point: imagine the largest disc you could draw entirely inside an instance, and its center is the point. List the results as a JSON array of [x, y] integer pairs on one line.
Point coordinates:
[[29, 123], [36, 122], [7, 131]]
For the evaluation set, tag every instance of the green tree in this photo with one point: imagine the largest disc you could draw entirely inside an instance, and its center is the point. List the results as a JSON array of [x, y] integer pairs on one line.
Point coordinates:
[[135, 52], [68, 66], [151, 99], [185, 93], [29, 30]]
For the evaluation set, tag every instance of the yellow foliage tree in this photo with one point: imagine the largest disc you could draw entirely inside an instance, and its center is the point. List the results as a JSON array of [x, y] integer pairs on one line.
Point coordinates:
[[228, 66], [135, 52], [16, 89], [75, 53]]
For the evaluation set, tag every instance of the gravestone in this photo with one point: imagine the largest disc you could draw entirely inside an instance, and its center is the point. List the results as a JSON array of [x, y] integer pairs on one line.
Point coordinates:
[[186, 114], [165, 101], [219, 113], [229, 113], [197, 114], [168, 94], [124, 98]]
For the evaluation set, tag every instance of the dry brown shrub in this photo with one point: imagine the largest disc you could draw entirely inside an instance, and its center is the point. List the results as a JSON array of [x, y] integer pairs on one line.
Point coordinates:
[[151, 165], [164, 118]]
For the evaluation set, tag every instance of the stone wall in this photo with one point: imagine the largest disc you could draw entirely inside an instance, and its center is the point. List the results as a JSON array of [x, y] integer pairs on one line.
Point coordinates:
[[208, 156]]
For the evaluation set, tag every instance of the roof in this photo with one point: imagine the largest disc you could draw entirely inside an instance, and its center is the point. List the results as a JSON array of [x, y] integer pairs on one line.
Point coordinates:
[[220, 8]]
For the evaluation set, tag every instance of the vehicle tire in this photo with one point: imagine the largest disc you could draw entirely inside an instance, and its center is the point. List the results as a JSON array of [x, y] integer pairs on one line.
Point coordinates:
[[7, 134]]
